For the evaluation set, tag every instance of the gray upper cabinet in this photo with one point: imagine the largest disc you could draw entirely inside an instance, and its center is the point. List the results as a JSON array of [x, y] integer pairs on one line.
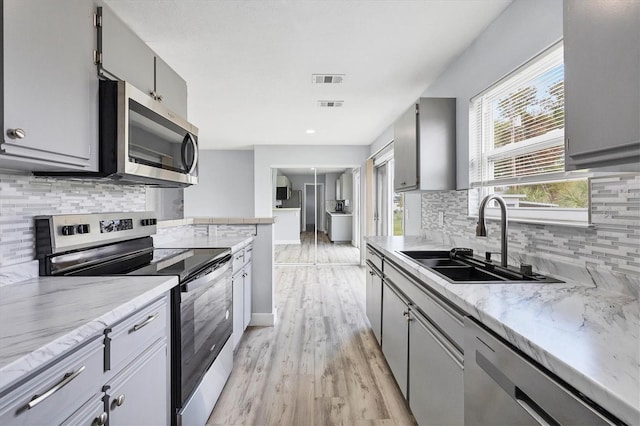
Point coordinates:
[[602, 83], [424, 146], [50, 96], [124, 56], [171, 88]]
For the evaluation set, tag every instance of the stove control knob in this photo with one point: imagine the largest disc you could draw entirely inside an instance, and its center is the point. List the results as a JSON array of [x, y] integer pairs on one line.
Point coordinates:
[[83, 229], [68, 230]]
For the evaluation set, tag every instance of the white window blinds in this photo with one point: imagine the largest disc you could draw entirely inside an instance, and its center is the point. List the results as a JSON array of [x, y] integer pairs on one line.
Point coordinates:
[[517, 125]]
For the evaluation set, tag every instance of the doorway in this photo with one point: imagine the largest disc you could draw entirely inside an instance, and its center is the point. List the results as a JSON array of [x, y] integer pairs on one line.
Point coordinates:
[[313, 204], [328, 199]]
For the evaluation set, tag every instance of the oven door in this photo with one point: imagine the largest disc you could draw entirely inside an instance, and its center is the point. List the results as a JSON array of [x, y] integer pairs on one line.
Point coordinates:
[[206, 322]]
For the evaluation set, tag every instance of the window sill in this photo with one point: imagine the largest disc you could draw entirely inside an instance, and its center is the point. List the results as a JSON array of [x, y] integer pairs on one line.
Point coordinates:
[[571, 224]]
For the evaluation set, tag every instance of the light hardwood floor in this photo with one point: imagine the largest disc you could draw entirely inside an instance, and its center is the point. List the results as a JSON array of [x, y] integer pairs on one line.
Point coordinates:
[[320, 364], [328, 252]]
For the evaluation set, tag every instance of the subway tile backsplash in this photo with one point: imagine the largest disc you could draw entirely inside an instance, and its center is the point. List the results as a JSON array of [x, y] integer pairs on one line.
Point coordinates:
[[23, 196], [612, 245]]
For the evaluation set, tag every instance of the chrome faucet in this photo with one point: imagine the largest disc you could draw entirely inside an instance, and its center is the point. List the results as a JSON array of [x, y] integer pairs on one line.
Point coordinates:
[[481, 229]]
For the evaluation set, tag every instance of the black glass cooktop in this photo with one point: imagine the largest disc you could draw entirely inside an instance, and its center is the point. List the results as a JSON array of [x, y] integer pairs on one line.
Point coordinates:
[[183, 263]]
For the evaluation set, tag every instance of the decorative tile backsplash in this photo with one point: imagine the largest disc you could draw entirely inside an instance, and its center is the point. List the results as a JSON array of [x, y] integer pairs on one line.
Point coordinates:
[[23, 196], [611, 245]]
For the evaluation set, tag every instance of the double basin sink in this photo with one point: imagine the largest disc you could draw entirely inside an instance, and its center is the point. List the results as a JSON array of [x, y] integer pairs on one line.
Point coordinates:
[[466, 269]]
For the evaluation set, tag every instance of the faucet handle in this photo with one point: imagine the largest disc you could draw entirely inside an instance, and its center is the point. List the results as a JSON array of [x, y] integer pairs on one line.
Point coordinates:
[[461, 251], [487, 255], [526, 269]]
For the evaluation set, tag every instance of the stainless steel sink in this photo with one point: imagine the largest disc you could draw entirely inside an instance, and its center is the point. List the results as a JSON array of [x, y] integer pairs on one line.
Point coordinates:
[[466, 269]]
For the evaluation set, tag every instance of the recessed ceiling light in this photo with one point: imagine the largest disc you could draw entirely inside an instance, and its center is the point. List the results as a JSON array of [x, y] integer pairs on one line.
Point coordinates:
[[310, 131]]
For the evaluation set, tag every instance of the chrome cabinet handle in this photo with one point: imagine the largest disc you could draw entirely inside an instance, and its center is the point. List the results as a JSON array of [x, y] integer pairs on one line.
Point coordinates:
[[16, 133], [144, 323], [65, 381], [101, 420], [118, 401]]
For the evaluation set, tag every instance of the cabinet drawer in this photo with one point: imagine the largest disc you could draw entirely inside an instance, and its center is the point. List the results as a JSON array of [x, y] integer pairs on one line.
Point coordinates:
[[90, 414], [374, 257], [238, 261], [446, 317], [248, 253], [55, 393], [132, 336]]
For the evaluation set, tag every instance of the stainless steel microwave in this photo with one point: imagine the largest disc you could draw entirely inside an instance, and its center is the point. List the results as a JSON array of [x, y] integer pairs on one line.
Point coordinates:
[[141, 141]]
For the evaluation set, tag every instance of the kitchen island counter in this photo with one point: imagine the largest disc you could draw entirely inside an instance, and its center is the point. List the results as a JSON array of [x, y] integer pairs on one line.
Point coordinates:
[[585, 335], [45, 317]]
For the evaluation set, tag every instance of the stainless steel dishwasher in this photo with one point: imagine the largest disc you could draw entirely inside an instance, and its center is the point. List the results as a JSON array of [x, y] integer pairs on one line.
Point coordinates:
[[502, 387]]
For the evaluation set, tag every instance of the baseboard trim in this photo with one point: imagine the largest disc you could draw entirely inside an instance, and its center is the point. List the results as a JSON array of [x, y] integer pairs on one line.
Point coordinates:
[[287, 242], [264, 320]]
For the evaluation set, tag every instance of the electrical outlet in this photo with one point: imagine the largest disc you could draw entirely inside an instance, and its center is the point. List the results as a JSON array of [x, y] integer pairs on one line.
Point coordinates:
[[441, 218]]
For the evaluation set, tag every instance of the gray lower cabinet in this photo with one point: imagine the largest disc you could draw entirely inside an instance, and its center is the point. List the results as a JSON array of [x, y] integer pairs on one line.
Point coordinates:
[[120, 377], [395, 333], [242, 289], [602, 84], [238, 308], [247, 285], [136, 395], [436, 380], [373, 304], [92, 413], [339, 227], [125, 56], [50, 96]]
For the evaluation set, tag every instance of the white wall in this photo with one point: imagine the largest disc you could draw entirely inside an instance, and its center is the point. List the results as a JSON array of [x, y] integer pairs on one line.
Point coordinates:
[[225, 187], [268, 156], [524, 29], [382, 140]]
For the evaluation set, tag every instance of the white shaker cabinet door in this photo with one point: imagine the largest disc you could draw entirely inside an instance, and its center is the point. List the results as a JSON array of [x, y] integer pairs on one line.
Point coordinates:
[[50, 83]]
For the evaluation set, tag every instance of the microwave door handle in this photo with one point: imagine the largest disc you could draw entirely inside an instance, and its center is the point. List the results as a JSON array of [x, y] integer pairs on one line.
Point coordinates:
[[189, 139]]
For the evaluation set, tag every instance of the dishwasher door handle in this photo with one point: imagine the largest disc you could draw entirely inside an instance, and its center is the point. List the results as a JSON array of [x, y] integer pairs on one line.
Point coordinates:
[[534, 409]]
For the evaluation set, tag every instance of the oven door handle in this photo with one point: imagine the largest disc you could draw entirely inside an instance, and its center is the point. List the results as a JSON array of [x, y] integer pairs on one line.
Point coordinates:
[[204, 280]]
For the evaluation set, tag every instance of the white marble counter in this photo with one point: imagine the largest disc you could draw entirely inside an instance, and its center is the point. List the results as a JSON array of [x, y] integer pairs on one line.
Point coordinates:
[[286, 209], [584, 334], [207, 241], [337, 214], [44, 317]]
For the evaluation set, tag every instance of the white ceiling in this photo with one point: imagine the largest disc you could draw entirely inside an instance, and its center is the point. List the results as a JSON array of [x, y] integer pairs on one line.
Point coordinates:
[[248, 63]]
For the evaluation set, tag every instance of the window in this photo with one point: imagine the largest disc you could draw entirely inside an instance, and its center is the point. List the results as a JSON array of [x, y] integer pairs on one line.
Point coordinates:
[[516, 144]]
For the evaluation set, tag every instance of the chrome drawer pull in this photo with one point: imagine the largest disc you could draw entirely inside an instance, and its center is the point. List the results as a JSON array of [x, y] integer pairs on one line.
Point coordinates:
[[101, 420], [65, 381], [144, 323]]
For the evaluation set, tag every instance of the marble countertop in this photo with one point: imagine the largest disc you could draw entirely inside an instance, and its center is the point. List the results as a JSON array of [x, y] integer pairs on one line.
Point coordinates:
[[584, 334], [207, 241], [44, 317], [287, 209], [338, 214]]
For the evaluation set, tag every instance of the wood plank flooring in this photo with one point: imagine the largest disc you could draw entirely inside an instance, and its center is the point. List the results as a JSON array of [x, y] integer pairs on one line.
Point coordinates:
[[320, 364], [328, 252]]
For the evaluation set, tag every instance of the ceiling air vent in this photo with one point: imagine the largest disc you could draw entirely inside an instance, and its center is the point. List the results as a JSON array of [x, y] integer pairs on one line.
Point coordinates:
[[327, 78], [330, 104]]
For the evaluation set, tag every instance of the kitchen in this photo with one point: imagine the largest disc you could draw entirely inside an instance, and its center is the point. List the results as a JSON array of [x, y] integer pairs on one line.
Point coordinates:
[[601, 255]]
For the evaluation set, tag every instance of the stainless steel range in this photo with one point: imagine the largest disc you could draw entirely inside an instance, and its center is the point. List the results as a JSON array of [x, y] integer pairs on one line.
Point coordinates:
[[202, 320]]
